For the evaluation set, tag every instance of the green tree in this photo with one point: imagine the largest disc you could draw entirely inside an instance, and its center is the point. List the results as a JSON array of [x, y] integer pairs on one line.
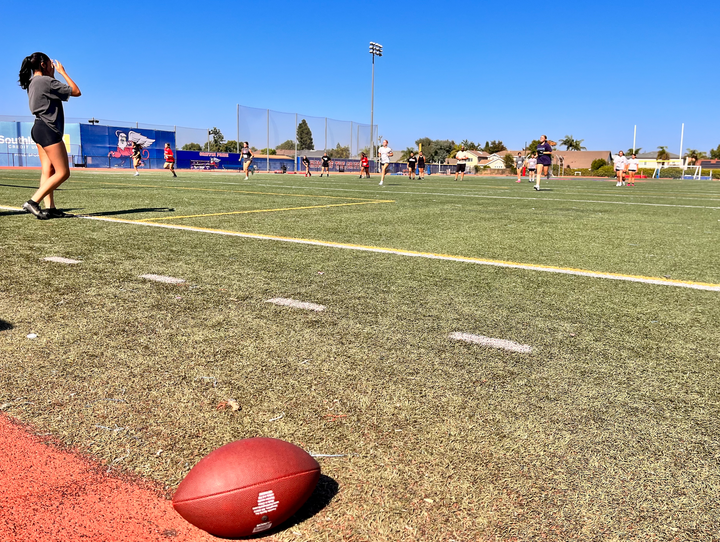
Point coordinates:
[[509, 162], [715, 153], [494, 146], [229, 146], [266, 152], [217, 141], [441, 150], [469, 145], [532, 147], [633, 151], [192, 147], [662, 153], [427, 147], [339, 152], [597, 164], [695, 155], [304, 136], [572, 144], [406, 154], [288, 145]]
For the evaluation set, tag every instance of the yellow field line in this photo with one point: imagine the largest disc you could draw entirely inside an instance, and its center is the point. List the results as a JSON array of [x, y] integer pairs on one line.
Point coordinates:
[[430, 255], [220, 190], [266, 210]]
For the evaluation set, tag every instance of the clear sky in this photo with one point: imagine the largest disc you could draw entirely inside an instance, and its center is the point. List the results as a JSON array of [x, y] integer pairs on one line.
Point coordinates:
[[466, 70]]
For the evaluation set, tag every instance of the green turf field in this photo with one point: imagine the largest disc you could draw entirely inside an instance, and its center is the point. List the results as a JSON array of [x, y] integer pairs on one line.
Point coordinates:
[[607, 430]]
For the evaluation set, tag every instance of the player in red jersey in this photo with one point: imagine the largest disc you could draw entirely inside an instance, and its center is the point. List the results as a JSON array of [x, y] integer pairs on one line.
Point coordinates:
[[169, 159], [364, 166]]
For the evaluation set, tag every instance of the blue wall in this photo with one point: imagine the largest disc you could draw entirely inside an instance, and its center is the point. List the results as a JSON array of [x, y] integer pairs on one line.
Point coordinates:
[[110, 146]]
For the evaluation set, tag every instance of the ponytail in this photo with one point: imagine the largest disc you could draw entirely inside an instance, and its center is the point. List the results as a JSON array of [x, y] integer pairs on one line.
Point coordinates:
[[30, 65]]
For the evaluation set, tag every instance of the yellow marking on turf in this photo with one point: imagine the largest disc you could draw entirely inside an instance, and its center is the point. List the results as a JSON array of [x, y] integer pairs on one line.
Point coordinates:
[[431, 255], [266, 210], [221, 190]]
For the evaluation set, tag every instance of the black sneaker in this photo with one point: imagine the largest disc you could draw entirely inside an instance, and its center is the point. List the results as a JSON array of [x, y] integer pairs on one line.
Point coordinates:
[[31, 207], [57, 213]]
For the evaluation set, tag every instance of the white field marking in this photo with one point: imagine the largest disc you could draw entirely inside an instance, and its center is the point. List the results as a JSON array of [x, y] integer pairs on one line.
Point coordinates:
[[285, 302], [501, 344], [415, 254], [162, 278], [58, 259]]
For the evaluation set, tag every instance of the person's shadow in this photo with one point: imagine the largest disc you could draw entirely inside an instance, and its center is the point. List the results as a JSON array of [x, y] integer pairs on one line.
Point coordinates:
[[133, 211], [4, 326]]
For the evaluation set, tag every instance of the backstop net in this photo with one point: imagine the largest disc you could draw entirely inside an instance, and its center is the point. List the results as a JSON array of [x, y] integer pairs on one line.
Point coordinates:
[[279, 132]]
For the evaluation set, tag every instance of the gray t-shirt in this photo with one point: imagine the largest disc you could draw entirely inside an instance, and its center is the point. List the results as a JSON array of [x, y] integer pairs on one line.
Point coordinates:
[[46, 95]]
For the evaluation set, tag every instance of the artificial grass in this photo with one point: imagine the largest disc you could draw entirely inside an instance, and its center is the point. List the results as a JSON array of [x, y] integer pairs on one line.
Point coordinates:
[[608, 430]]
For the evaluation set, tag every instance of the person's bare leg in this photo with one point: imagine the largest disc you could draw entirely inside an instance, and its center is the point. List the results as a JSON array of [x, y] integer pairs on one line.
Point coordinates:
[[47, 171], [57, 155]]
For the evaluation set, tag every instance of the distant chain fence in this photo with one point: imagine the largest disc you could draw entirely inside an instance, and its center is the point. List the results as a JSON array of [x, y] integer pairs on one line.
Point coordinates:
[[268, 129]]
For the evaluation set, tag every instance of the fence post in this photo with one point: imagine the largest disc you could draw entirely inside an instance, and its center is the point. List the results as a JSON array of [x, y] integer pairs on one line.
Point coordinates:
[[325, 134], [267, 149], [296, 156]]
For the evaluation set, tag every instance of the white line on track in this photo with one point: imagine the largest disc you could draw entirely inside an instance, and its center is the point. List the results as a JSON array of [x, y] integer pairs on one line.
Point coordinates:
[[501, 344], [58, 259], [163, 278], [285, 302]]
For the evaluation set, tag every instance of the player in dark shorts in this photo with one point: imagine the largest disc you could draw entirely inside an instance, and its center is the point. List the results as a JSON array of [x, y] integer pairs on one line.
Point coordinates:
[[412, 163], [421, 165], [364, 166], [544, 160], [325, 165], [136, 156], [46, 95], [306, 163], [462, 158], [246, 156]]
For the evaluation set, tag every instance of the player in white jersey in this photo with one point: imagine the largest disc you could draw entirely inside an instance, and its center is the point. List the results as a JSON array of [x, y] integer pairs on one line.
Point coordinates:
[[532, 167], [620, 165], [632, 167], [385, 153], [462, 158]]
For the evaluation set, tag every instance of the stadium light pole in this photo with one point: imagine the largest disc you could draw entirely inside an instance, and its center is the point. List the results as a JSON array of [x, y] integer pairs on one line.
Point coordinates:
[[375, 50]]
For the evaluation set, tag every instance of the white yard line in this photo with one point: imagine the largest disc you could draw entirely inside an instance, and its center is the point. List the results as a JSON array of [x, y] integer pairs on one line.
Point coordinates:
[[285, 302], [163, 278], [58, 259], [500, 344]]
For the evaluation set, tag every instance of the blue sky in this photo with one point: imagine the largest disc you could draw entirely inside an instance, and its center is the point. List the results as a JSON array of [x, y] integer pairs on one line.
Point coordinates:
[[478, 71]]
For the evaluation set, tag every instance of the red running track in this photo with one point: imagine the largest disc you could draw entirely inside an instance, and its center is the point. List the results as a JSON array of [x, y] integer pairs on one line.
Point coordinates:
[[47, 494]]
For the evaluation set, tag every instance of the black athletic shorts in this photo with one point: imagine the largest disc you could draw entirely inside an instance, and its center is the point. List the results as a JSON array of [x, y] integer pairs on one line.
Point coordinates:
[[460, 168], [43, 135]]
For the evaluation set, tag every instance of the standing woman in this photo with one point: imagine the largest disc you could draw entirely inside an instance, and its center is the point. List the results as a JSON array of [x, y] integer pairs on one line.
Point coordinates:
[[632, 168], [620, 166], [421, 165], [45, 95], [531, 167], [137, 149], [519, 161], [544, 160], [247, 158]]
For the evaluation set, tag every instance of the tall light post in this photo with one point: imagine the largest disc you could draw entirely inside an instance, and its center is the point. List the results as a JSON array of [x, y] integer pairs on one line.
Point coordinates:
[[375, 50]]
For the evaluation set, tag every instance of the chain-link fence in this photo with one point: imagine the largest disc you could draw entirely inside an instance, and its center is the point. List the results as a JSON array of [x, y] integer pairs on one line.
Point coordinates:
[[295, 132]]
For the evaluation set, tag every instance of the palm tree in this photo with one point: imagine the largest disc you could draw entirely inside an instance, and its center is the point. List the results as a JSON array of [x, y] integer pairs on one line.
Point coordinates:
[[695, 155], [406, 154], [630, 152], [662, 153], [572, 144]]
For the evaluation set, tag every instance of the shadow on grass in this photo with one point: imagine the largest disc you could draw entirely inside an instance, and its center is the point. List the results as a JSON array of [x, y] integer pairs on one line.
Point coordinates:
[[12, 213], [134, 211], [324, 493], [4, 326], [33, 188]]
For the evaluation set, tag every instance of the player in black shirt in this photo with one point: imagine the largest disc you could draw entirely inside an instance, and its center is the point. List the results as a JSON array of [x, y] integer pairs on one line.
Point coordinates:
[[247, 157], [136, 156], [421, 165], [325, 165], [411, 162], [306, 163]]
